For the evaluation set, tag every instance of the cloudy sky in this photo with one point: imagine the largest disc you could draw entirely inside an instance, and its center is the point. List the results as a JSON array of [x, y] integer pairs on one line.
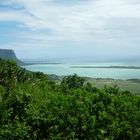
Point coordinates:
[[94, 29]]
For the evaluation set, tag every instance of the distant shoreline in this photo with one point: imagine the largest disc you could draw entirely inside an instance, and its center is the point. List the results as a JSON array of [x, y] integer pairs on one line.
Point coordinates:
[[108, 67], [26, 64]]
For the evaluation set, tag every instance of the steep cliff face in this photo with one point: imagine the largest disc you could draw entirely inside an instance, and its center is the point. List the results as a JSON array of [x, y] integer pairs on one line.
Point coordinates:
[[9, 54]]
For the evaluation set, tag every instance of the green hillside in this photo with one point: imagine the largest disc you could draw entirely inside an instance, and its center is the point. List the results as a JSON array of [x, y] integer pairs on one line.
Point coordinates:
[[32, 107]]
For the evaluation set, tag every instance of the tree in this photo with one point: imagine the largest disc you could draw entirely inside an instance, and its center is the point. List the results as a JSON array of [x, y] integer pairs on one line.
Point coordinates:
[[73, 81]]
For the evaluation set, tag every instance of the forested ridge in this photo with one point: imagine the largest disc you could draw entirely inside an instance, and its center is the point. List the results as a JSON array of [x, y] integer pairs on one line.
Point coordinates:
[[33, 107], [8, 54]]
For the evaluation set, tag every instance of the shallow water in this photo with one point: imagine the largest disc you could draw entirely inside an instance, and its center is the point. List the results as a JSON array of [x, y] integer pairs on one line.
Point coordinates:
[[66, 69]]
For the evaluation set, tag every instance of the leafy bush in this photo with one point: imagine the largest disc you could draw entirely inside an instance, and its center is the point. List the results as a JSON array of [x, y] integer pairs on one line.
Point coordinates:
[[32, 107]]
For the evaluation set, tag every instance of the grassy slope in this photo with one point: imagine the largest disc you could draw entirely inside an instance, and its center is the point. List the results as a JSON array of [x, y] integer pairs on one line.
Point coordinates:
[[131, 86]]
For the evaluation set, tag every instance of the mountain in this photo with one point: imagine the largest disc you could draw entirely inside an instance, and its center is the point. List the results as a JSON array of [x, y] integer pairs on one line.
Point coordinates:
[[8, 54]]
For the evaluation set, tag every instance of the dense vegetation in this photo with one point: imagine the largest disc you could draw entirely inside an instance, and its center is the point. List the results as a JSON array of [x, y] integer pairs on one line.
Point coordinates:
[[33, 107]]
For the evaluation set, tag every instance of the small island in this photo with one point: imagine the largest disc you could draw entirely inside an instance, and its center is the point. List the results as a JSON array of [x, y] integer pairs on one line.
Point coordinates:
[[108, 67]]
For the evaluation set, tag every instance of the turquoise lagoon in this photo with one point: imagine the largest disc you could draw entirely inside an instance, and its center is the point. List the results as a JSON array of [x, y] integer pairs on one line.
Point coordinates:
[[66, 69]]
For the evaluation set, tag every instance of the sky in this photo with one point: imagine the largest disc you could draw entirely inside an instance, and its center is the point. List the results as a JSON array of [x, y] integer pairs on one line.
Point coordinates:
[[71, 29]]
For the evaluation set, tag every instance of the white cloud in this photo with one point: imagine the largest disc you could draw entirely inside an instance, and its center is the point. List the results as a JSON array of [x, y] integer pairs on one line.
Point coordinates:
[[50, 21], [41, 14]]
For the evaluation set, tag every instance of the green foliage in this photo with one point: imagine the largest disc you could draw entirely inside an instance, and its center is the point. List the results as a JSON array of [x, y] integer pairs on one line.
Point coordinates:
[[72, 82], [33, 107], [90, 88], [111, 90]]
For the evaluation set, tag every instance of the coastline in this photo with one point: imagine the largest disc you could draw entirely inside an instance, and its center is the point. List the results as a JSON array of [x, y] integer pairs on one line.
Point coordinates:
[[28, 64]]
